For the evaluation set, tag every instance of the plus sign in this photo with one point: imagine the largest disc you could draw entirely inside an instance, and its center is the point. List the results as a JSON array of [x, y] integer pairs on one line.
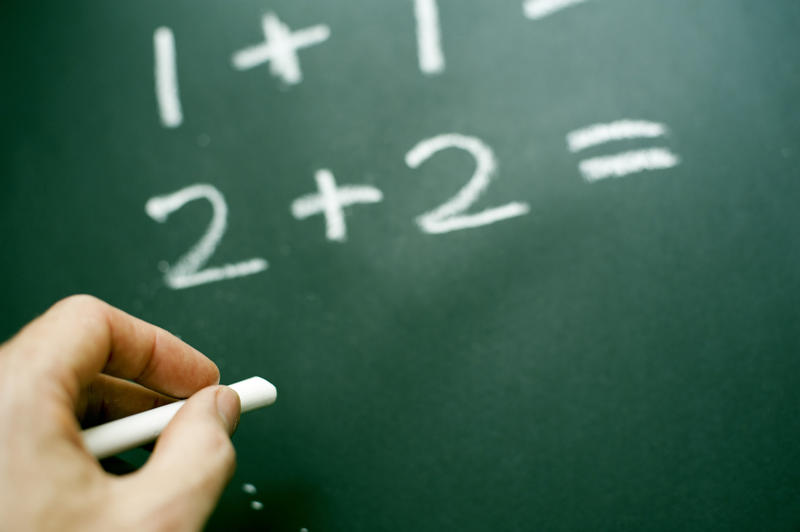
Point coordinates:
[[331, 201], [280, 48]]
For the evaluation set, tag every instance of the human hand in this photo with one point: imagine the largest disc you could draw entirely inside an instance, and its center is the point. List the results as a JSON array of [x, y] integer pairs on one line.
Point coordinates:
[[75, 362]]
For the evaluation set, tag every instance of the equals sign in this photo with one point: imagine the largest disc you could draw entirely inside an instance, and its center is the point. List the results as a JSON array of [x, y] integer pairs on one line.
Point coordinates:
[[624, 163]]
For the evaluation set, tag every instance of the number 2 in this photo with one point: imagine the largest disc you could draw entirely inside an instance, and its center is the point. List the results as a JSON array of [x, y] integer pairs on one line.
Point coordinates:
[[187, 270], [449, 216]]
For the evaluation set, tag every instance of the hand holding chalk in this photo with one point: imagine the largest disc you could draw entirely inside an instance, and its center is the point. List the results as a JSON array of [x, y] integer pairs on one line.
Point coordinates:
[[116, 436], [76, 362]]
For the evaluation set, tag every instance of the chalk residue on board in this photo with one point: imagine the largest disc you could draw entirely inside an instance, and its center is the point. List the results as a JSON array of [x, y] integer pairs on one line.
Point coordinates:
[[251, 490]]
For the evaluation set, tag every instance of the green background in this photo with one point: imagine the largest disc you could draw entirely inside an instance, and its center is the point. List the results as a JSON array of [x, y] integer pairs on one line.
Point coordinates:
[[624, 357]]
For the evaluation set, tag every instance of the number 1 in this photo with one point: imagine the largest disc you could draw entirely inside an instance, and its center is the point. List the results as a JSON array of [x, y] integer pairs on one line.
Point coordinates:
[[429, 45]]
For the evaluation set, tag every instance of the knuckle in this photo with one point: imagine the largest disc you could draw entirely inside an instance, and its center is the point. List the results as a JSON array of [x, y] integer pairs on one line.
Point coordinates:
[[149, 363], [88, 308], [78, 301], [84, 306]]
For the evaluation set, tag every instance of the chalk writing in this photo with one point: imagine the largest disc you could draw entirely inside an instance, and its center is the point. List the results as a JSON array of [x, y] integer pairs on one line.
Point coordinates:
[[629, 162], [281, 45], [595, 134], [536, 9], [187, 270], [331, 201], [169, 103], [280, 48], [624, 163], [429, 46], [450, 216]]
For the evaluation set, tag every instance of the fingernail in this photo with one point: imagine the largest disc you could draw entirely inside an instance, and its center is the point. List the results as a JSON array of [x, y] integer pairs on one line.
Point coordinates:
[[229, 407]]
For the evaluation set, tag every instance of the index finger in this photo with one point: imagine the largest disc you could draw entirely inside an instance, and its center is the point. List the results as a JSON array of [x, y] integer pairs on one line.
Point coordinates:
[[81, 336]]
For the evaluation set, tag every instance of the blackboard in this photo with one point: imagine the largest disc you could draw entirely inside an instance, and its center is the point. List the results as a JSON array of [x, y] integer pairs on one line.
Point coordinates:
[[601, 332]]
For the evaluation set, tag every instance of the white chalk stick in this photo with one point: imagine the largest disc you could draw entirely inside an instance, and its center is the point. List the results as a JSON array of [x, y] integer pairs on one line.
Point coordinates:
[[132, 431]]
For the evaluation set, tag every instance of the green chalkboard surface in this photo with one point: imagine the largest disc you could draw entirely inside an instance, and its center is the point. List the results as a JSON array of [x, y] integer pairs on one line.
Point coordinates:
[[518, 265]]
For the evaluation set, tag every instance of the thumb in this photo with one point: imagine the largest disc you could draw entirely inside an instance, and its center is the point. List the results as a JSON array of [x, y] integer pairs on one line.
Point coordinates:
[[192, 462]]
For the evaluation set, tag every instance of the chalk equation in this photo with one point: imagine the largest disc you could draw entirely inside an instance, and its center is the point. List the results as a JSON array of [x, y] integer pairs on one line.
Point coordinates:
[[279, 49], [331, 198], [281, 45]]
